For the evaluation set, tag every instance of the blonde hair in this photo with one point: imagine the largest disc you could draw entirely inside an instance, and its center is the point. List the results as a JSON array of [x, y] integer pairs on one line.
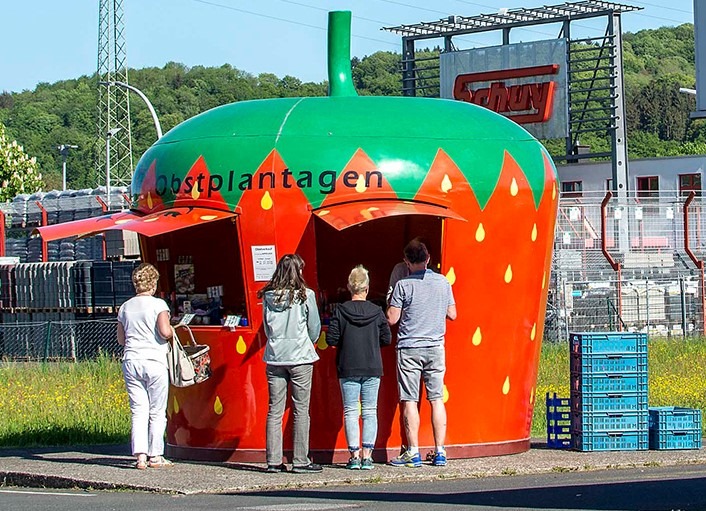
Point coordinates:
[[358, 280], [145, 278]]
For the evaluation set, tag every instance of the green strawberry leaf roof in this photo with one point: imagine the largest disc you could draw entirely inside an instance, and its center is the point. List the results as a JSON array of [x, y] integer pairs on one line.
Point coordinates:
[[401, 135]]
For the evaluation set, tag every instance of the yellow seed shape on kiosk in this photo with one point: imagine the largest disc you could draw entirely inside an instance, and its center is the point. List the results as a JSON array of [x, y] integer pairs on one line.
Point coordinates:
[[451, 276], [446, 394], [513, 187], [532, 392], [506, 385], [323, 212], [554, 191], [195, 193], [544, 279], [360, 184], [149, 200], [446, 184], [533, 333], [240, 346], [266, 201], [176, 405], [477, 337], [218, 406], [508, 274], [480, 233], [321, 343], [534, 232]]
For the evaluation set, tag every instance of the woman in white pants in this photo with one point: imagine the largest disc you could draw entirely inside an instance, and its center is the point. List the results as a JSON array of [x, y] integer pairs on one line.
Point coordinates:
[[143, 328]]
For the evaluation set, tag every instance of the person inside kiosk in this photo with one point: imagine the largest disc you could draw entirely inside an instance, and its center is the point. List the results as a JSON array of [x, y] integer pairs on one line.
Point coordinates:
[[377, 245]]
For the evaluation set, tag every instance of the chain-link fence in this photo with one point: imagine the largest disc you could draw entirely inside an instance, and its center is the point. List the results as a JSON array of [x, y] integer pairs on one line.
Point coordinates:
[[663, 307], [624, 265], [59, 340]]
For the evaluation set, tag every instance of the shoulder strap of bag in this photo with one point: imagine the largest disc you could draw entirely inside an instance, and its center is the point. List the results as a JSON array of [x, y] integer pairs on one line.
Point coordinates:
[[186, 327]]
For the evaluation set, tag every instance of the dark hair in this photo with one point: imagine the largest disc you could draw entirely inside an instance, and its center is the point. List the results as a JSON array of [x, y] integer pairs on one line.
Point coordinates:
[[287, 280], [416, 252]]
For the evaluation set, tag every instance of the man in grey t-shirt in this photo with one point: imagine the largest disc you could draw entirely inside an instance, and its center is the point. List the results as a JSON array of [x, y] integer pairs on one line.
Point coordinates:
[[421, 302]]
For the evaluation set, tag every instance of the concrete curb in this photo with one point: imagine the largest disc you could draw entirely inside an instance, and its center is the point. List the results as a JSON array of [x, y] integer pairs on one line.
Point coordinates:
[[109, 468]]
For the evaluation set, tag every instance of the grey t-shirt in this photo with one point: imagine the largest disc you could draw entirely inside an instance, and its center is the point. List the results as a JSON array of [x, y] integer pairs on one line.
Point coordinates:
[[424, 298]]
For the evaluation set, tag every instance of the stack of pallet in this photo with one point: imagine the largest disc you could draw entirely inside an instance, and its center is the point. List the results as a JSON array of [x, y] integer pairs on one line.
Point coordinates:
[[609, 391]]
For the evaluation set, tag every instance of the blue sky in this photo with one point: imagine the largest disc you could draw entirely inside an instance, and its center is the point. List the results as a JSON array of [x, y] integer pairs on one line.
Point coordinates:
[[50, 40]]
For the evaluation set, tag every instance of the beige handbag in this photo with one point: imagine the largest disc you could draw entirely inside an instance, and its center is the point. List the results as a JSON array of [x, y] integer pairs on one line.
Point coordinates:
[[188, 364]]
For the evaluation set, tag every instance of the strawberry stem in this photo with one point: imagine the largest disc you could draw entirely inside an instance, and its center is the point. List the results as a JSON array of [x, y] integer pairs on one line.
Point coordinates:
[[340, 78]]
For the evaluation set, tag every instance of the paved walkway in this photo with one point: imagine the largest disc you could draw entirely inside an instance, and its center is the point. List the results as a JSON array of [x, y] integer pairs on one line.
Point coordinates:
[[110, 467]]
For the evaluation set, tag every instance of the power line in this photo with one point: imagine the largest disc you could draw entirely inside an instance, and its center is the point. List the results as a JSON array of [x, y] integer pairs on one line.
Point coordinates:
[[661, 18], [378, 22], [414, 7], [661, 7], [285, 20]]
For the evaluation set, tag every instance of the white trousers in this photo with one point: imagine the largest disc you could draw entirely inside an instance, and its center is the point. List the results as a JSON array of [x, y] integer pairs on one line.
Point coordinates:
[[147, 383]]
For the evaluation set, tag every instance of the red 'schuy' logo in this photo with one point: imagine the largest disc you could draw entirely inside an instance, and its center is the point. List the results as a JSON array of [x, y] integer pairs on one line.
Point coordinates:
[[524, 103]]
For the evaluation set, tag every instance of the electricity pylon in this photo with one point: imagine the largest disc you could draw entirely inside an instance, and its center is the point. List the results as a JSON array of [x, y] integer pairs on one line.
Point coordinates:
[[113, 102]]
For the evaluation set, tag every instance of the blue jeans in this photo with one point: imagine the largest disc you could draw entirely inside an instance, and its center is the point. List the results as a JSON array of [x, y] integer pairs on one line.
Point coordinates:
[[364, 389]]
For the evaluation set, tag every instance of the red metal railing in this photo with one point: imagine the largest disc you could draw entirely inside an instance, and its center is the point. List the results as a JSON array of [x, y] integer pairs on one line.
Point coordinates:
[[613, 263]]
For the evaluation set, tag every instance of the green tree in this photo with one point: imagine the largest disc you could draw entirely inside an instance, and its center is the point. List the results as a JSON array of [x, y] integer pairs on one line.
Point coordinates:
[[378, 74], [18, 172]]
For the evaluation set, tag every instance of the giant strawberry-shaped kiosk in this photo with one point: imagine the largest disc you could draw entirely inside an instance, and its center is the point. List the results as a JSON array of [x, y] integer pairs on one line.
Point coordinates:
[[345, 180]]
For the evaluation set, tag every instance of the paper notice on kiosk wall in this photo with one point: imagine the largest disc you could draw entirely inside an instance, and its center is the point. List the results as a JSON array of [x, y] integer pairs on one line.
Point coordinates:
[[264, 262]]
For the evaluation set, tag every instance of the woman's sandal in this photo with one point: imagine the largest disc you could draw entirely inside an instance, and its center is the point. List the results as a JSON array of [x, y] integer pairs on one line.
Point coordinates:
[[159, 462], [141, 464]]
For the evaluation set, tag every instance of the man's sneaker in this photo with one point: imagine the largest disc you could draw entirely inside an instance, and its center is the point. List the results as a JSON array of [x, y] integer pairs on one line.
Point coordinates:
[[353, 464], [305, 469], [407, 459], [439, 459], [366, 464], [273, 469]]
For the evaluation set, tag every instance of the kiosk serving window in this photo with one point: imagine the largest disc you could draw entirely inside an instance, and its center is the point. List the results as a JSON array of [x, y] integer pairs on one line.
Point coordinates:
[[201, 270], [376, 244], [196, 250]]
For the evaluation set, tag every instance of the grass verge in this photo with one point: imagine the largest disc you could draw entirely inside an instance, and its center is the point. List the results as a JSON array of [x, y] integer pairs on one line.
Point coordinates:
[[64, 403]]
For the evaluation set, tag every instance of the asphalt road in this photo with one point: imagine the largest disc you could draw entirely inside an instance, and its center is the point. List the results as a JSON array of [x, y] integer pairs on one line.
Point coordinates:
[[644, 489]]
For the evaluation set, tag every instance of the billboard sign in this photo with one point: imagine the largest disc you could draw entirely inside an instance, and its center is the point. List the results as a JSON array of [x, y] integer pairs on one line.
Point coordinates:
[[525, 82]]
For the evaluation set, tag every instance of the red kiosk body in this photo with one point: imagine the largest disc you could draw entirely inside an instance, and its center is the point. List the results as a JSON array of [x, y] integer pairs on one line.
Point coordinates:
[[346, 180]]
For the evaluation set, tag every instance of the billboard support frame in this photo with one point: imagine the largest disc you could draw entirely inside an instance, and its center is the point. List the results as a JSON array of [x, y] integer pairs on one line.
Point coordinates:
[[592, 105]]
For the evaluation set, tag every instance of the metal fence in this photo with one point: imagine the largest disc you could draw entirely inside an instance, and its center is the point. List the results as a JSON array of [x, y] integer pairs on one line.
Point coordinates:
[[59, 340], [634, 264]]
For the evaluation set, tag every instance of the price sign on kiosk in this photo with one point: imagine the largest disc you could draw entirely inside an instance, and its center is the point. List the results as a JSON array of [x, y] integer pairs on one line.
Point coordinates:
[[186, 318], [264, 262]]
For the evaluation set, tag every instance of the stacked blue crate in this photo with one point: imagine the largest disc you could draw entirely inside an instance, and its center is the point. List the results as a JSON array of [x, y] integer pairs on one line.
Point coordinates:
[[609, 391], [558, 422], [673, 427]]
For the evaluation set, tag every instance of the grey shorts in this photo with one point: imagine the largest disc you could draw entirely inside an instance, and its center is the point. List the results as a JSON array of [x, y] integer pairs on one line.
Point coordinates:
[[413, 364]]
